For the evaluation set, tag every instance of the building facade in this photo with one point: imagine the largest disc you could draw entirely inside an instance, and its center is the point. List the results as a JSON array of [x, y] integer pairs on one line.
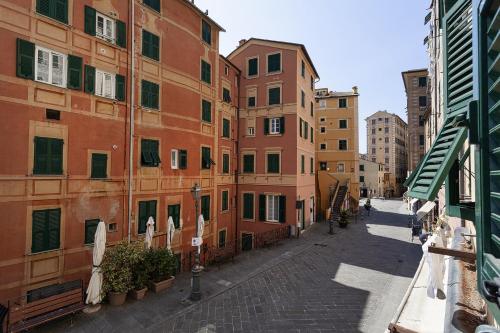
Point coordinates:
[[371, 178], [337, 145], [418, 102], [387, 137], [276, 183]]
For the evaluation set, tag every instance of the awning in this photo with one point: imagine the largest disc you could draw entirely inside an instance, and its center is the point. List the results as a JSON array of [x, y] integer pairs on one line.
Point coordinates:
[[426, 209]]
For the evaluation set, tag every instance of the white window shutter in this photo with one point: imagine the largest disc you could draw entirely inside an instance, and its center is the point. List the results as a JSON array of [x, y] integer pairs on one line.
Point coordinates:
[[42, 72], [99, 78], [108, 90], [57, 69]]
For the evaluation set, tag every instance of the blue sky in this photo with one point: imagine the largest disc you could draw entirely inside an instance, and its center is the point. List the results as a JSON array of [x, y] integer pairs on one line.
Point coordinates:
[[367, 43]]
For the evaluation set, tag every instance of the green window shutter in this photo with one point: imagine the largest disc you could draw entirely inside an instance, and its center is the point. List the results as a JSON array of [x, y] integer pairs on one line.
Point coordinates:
[[302, 164], [206, 32], [99, 166], [90, 229], [120, 88], [225, 163], [25, 59], [312, 135], [150, 156], [38, 231], [282, 125], [301, 125], [145, 93], [274, 63], [182, 159], [306, 130], [53, 229], [303, 99], [90, 20], [226, 124], [206, 72], [225, 199], [248, 163], [150, 45], [60, 10], [152, 211], [206, 111], [282, 209], [253, 66], [43, 7], [143, 217], [311, 165], [273, 163], [205, 207], [56, 156], [248, 209], [150, 94], [266, 126], [89, 85], [262, 207], [274, 96], [41, 159], [121, 34], [75, 72], [155, 96], [205, 158], [154, 4]]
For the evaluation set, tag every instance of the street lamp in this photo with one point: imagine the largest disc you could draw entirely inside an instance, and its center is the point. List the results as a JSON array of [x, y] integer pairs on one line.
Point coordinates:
[[195, 282]]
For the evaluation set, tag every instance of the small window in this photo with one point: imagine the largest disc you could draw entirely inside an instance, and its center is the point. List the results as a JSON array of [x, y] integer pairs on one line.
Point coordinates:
[[374, 121], [322, 103], [361, 179], [421, 140], [90, 229], [105, 27], [421, 121], [147, 209], [274, 63], [50, 67], [273, 163], [225, 163], [206, 111], [253, 67], [248, 206], [45, 230], [205, 207], [206, 72], [206, 159], [251, 131], [422, 81], [55, 9], [99, 165], [48, 159], [222, 239], [373, 141], [275, 126], [154, 4], [342, 102], [374, 150], [303, 69], [386, 140], [183, 159], [322, 120], [312, 109], [274, 95], [322, 129], [342, 123], [251, 101], [322, 146], [422, 101], [302, 98], [150, 45], [53, 114], [342, 144], [174, 211], [302, 164], [226, 95], [150, 153], [104, 84], [361, 167], [226, 128], [206, 32], [225, 201], [340, 167], [248, 163], [174, 159], [322, 166], [311, 165], [150, 95], [272, 208], [373, 130], [386, 130]]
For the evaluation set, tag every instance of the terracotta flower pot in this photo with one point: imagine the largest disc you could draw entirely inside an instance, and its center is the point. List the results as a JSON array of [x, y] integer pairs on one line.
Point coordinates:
[[157, 287], [116, 298], [138, 294]]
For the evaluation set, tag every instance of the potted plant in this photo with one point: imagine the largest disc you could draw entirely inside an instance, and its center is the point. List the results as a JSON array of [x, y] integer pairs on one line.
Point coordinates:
[[117, 274], [343, 218], [161, 268], [140, 276]]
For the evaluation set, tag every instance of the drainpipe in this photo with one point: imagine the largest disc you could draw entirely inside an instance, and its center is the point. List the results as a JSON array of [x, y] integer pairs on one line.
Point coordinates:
[[237, 173], [132, 117]]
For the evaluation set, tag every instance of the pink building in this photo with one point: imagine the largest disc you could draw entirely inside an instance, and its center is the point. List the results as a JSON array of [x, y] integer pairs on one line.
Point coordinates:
[[276, 143]]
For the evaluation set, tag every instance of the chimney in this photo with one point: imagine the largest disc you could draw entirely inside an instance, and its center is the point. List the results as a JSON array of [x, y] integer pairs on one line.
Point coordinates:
[[355, 90], [242, 41]]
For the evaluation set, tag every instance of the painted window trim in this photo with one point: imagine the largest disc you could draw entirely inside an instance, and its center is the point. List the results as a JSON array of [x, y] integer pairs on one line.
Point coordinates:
[[111, 39], [174, 159], [273, 86], [51, 53], [113, 84]]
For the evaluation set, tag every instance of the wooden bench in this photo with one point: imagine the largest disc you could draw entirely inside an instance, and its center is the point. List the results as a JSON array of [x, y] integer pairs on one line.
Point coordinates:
[[24, 314]]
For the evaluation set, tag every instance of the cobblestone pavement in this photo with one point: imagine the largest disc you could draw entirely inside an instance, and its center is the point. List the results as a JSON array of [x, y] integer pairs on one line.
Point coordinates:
[[352, 281]]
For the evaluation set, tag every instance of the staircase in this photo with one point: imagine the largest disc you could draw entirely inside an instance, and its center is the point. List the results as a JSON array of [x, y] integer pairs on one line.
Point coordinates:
[[336, 204]]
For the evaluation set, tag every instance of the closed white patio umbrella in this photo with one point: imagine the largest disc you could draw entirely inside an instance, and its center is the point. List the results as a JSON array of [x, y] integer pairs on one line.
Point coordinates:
[[150, 230], [94, 294], [171, 231], [201, 225]]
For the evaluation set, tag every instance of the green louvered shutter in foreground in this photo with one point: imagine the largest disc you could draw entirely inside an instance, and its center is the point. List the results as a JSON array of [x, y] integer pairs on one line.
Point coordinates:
[[121, 34], [75, 72], [121, 88], [25, 59], [89, 86], [89, 21]]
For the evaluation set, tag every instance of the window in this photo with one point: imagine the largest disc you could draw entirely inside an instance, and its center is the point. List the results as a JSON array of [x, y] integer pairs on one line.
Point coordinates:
[[306, 129], [386, 130], [322, 119], [312, 109], [422, 101], [226, 70], [311, 165], [206, 72], [386, 140], [206, 111], [386, 120], [206, 32], [274, 96], [50, 67], [182, 159], [45, 230], [206, 159], [312, 135], [253, 67], [322, 146], [251, 101], [48, 159], [303, 69], [361, 179], [340, 167], [248, 206], [147, 209], [149, 153], [226, 128], [361, 167], [154, 4], [322, 166], [174, 159], [55, 9], [225, 163], [421, 140], [225, 201], [150, 93], [373, 130], [273, 163], [322, 129], [342, 102], [90, 229], [272, 205], [105, 27], [99, 166], [342, 144], [205, 207], [104, 84], [373, 141], [248, 163], [275, 126], [226, 95], [150, 45], [222, 238], [322, 103], [174, 211], [421, 121], [374, 121], [302, 98], [274, 63], [302, 164], [342, 123], [386, 150], [251, 131], [422, 81]]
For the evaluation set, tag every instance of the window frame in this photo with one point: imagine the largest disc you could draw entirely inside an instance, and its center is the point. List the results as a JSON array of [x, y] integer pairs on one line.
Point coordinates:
[[112, 83], [203, 67], [226, 128], [346, 145], [225, 170], [204, 36], [50, 66], [243, 164], [346, 124], [268, 153], [202, 208], [249, 76], [86, 226], [93, 176], [174, 159], [106, 21], [47, 228], [272, 87], [275, 125], [280, 70], [275, 200], [243, 216], [341, 106], [222, 208]]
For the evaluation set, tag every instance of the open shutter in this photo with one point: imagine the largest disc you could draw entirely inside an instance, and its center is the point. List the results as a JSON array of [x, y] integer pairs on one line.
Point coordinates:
[[306, 130], [120, 89], [182, 159], [38, 231], [89, 85], [282, 125], [41, 160], [152, 211], [301, 125], [90, 15], [60, 10], [43, 7], [54, 223], [262, 207], [56, 156], [121, 34], [143, 217], [266, 126], [25, 59], [282, 209], [75, 72]]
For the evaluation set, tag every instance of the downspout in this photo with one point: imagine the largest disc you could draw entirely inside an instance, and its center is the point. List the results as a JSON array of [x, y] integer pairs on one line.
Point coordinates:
[[132, 117], [237, 174]]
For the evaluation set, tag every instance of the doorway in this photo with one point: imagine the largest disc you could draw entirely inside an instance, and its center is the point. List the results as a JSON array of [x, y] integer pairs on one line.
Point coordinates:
[[246, 241]]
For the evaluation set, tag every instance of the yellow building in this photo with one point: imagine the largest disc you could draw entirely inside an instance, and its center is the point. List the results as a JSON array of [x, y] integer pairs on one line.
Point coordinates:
[[337, 147]]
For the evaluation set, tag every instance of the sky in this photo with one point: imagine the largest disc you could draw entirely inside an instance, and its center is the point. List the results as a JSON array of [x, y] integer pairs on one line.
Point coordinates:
[[364, 43]]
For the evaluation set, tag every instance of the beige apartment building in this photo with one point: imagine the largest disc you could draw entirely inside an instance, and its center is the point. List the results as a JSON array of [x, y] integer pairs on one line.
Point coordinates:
[[337, 145], [417, 104], [387, 137], [371, 178]]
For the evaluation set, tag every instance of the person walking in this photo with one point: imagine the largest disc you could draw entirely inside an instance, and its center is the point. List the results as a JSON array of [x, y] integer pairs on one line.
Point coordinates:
[[368, 206]]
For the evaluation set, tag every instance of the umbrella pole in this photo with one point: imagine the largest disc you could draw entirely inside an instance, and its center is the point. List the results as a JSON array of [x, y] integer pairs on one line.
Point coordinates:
[[196, 271]]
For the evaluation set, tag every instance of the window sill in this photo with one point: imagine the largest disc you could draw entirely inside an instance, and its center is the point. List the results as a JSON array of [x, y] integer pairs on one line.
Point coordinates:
[[206, 122], [145, 57], [53, 20], [53, 85], [252, 77], [248, 220], [48, 176], [148, 109], [274, 73], [206, 83], [99, 179], [151, 9], [44, 252], [206, 43], [224, 211]]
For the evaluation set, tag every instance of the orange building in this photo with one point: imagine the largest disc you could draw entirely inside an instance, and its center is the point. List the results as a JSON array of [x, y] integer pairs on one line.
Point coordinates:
[[276, 183]]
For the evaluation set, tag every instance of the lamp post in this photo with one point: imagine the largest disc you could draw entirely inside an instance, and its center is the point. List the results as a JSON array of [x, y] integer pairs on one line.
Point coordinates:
[[196, 270]]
